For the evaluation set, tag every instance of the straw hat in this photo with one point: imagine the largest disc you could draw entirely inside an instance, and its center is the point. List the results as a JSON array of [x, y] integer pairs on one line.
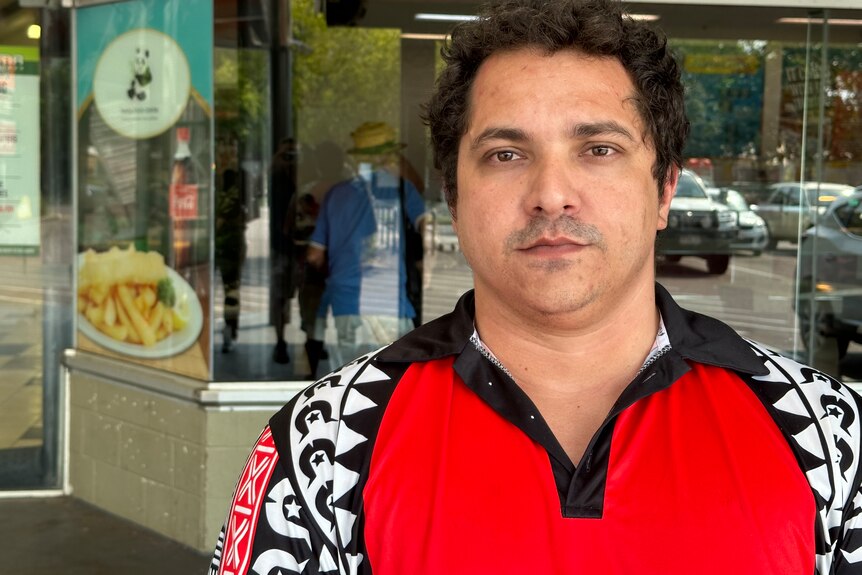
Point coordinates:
[[374, 138]]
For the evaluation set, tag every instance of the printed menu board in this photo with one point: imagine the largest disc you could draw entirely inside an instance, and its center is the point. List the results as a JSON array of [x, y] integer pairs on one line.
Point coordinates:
[[19, 151], [144, 153]]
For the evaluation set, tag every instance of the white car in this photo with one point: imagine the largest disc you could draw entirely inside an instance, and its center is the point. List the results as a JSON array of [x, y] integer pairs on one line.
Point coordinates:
[[753, 235], [697, 226], [783, 208]]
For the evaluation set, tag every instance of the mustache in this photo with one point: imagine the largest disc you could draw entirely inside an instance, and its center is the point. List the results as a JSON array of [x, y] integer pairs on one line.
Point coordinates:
[[566, 226]]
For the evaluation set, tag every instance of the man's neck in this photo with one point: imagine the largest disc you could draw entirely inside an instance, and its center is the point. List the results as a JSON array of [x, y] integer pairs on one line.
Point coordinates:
[[571, 352]]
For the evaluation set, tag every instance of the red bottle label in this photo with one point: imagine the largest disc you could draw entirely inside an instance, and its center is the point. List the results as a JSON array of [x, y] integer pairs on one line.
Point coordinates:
[[184, 201]]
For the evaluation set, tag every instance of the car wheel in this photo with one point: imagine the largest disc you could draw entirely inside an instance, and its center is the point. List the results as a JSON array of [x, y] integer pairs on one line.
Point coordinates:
[[717, 265]]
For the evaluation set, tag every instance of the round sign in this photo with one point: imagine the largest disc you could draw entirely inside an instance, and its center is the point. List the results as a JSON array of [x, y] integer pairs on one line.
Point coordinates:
[[142, 83]]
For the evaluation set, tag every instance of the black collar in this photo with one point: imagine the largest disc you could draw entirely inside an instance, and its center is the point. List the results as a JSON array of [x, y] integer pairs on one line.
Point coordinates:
[[692, 335]]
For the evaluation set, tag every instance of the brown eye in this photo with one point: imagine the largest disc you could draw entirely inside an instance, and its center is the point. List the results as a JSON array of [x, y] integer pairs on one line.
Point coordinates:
[[601, 151], [504, 156]]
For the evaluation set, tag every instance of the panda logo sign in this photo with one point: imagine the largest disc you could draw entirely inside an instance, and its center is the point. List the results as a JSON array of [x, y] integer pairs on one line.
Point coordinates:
[[151, 95], [142, 76]]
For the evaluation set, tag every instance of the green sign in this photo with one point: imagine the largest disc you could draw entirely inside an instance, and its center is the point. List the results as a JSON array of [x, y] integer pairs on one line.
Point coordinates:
[[19, 151]]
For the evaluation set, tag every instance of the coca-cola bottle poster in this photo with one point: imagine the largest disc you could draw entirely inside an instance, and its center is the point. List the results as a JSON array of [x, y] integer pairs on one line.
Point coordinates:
[[144, 182]]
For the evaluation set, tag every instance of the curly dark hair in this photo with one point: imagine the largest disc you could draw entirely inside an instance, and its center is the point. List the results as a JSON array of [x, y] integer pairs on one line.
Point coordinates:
[[593, 27]]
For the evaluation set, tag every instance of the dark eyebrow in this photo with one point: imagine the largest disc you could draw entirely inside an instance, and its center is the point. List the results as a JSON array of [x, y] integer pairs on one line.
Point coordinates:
[[583, 130], [512, 134], [591, 129]]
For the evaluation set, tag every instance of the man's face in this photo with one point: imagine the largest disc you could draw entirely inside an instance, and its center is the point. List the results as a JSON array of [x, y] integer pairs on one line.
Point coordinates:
[[557, 207]]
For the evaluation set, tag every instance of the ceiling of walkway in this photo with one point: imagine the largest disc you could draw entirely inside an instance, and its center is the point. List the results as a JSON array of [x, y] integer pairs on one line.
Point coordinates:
[[676, 19]]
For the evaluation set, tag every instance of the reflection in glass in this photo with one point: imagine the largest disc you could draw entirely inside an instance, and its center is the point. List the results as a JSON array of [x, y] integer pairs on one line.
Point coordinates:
[[770, 118], [360, 239]]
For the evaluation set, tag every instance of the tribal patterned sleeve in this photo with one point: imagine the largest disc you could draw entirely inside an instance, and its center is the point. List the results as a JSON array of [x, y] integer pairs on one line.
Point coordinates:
[[822, 420], [849, 560], [269, 525], [297, 505]]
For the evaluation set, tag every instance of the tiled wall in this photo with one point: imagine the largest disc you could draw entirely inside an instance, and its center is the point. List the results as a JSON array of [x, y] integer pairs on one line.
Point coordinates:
[[165, 463]]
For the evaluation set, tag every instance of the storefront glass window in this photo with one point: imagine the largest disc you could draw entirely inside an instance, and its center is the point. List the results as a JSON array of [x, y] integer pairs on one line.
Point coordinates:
[[754, 103], [35, 242], [772, 122]]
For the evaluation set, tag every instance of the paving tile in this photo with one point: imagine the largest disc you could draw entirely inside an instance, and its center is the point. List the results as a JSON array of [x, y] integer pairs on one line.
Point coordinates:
[[13, 349], [35, 432], [25, 362], [66, 535]]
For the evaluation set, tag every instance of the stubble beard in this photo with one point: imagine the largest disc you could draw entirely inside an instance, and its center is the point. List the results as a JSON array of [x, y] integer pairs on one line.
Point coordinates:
[[548, 298]]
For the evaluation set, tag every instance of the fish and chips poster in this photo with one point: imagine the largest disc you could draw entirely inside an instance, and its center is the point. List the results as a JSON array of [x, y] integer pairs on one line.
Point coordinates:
[[144, 93], [19, 151]]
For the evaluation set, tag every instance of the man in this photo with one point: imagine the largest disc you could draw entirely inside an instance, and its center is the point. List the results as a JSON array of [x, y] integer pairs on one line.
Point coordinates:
[[230, 250], [281, 231], [568, 416], [360, 239]]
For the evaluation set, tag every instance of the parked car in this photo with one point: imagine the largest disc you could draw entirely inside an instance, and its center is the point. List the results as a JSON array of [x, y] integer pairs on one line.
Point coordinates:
[[783, 208], [698, 226], [830, 260], [752, 235]]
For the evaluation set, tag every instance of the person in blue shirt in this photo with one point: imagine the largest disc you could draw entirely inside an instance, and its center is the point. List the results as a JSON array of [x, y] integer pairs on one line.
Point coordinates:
[[359, 238]]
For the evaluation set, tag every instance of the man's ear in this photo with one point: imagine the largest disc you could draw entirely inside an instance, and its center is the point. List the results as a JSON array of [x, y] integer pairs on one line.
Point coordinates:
[[452, 208], [668, 191]]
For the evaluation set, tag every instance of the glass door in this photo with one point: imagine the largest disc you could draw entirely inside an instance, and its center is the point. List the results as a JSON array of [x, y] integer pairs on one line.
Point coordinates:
[[35, 242]]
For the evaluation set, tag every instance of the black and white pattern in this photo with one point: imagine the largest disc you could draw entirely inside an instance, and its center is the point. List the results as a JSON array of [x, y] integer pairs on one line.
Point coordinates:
[[317, 502], [821, 419]]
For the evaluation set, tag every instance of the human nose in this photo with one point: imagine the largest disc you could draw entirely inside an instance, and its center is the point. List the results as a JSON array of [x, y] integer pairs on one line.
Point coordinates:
[[553, 188]]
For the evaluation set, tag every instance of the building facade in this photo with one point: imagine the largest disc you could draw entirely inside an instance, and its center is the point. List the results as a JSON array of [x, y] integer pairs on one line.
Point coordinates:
[[164, 165]]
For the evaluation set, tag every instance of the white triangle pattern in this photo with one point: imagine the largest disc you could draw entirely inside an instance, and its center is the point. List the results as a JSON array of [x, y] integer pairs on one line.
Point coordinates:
[[370, 375], [347, 439], [357, 402], [345, 520], [326, 563], [853, 557], [344, 481], [822, 563], [348, 372], [809, 440], [790, 403], [818, 478]]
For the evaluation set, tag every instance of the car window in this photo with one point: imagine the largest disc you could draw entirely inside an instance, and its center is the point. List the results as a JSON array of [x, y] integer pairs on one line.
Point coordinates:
[[773, 198], [779, 196], [792, 196], [687, 187], [850, 216], [736, 201]]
